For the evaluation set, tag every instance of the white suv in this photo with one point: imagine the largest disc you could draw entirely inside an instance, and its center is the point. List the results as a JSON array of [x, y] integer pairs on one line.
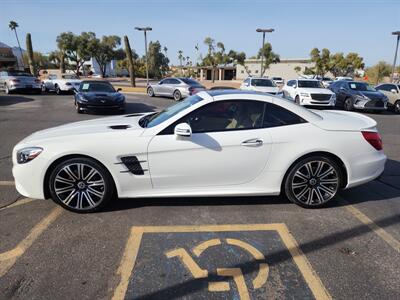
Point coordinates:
[[260, 84], [308, 92]]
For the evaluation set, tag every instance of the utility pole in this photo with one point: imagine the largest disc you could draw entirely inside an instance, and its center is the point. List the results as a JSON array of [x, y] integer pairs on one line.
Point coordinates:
[[145, 29], [395, 54], [263, 43]]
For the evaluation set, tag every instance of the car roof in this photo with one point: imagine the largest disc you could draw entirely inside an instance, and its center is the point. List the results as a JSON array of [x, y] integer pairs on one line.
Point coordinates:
[[96, 81]]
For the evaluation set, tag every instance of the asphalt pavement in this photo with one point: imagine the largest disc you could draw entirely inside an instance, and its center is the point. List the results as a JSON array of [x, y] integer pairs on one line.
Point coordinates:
[[195, 248]]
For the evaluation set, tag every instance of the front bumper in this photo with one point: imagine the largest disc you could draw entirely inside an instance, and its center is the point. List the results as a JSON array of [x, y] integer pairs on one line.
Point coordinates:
[[370, 104], [87, 106], [312, 102]]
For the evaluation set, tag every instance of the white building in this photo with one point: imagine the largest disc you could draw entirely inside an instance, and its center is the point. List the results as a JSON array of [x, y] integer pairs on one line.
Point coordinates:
[[92, 66], [285, 68]]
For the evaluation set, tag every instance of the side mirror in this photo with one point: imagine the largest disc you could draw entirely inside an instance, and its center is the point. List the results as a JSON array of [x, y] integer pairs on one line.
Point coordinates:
[[183, 129], [393, 91], [246, 84], [119, 89]]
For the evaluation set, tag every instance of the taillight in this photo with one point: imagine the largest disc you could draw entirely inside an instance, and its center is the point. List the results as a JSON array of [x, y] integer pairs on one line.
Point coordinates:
[[14, 81], [373, 138]]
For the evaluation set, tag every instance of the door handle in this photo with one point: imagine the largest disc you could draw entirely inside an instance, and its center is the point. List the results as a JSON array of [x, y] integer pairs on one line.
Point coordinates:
[[252, 142]]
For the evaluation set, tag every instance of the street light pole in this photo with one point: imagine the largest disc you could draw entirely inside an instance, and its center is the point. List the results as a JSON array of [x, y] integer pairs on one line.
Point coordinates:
[[263, 43], [145, 29], [395, 54]]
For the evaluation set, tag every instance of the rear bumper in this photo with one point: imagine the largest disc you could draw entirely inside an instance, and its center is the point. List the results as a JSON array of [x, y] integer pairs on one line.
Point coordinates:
[[21, 87], [366, 168]]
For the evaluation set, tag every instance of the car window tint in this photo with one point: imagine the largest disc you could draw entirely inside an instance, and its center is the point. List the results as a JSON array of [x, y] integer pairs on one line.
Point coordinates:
[[175, 81], [278, 116]]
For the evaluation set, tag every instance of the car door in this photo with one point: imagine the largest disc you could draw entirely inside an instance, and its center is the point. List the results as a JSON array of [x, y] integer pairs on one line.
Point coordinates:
[[171, 86], [158, 88], [227, 147], [341, 91]]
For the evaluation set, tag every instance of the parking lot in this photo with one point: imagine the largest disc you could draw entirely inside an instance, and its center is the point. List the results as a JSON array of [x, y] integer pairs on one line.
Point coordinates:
[[195, 248]]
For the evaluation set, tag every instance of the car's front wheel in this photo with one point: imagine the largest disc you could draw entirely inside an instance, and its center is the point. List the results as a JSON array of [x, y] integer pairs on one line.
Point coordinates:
[[58, 90], [313, 181], [297, 100], [348, 104], [150, 92], [81, 185], [397, 107]]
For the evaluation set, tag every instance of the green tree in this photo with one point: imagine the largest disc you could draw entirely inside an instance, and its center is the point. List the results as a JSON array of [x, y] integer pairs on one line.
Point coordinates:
[[13, 26], [321, 59], [268, 55], [157, 62], [104, 50], [57, 58], [77, 48], [40, 60], [130, 61], [297, 69], [29, 50], [379, 71], [180, 57]]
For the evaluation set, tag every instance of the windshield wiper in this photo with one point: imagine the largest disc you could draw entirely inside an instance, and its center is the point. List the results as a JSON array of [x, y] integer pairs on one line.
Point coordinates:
[[144, 121]]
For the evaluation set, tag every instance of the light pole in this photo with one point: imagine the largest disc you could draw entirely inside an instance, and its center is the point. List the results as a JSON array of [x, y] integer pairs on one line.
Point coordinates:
[[145, 29], [395, 54], [263, 43]]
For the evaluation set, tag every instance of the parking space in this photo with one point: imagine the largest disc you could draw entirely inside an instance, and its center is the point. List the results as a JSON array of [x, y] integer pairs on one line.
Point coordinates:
[[188, 248]]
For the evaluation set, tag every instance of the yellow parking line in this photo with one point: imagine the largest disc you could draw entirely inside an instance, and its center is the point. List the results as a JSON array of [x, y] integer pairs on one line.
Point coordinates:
[[6, 183], [19, 202], [8, 259], [383, 234], [198, 250], [237, 276]]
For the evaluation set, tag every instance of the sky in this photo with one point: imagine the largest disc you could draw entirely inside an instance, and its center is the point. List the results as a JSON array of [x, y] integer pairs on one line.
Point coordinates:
[[362, 26]]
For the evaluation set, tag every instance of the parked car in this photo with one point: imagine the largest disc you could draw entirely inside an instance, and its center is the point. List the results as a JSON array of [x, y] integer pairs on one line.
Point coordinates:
[[98, 95], [19, 81], [175, 87], [358, 95], [309, 92], [64, 83], [392, 91], [216, 143], [261, 84], [326, 81], [278, 80]]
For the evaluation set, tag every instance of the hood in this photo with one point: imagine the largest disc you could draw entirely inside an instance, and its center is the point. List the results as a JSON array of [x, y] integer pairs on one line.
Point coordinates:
[[96, 126], [315, 91], [266, 89], [372, 95], [343, 121]]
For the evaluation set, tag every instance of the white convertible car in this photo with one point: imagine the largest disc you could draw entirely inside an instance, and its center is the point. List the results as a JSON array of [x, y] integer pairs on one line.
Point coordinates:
[[219, 143], [63, 84]]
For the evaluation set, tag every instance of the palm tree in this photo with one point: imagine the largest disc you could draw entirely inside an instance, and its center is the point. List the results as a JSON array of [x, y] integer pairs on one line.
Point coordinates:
[[180, 57], [165, 50], [13, 26]]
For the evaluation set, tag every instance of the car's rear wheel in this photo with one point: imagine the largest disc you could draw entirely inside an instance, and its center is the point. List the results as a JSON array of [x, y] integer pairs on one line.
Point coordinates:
[[313, 181], [81, 185], [150, 92], [177, 95], [44, 88], [397, 107], [348, 104], [58, 90]]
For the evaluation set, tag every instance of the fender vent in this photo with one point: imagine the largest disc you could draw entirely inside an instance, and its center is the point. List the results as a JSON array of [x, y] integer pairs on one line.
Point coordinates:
[[116, 127], [132, 164], [134, 115]]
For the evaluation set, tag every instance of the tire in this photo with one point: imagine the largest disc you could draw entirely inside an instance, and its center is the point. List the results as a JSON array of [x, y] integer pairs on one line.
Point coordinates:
[[297, 100], [78, 108], [348, 104], [177, 95], [313, 181], [7, 90], [150, 92], [396, 107], [58, 90], [44, 88], [81, 185]]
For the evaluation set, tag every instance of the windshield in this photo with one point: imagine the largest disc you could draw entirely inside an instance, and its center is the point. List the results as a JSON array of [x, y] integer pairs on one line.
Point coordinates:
[[361, 86], [191, 82], [262, 82], [19, 73], [310, 84], [157, 118], [96, 87], [277, 78]]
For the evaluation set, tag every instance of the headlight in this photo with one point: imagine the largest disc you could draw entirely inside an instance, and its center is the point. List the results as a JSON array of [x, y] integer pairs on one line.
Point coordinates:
[[27, 154], [304, 94], [121, 98], [361, 98], [81, 98], [333, 96]]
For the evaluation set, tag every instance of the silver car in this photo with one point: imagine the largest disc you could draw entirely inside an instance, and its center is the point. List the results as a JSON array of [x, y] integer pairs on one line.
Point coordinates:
[[176, 87], [14, 81]]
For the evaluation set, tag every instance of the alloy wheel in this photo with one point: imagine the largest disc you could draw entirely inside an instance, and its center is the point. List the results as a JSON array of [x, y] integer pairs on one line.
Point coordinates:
[[397, 107], [177, 96], [79, 186], [315, 183]]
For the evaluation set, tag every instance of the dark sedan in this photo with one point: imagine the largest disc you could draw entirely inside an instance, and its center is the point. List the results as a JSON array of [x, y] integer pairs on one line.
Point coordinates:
[[358, 95], [96, 95]]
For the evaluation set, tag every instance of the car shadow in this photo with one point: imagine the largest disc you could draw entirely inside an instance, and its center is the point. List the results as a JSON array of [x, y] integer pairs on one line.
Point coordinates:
[[384, 188], [130, 108], [10, 100]]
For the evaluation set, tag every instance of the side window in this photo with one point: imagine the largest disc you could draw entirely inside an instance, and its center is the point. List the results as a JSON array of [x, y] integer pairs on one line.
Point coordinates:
[[290, 83], [223, 116], [174, 81], [383, 87], [278, 116], [247, 81]]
